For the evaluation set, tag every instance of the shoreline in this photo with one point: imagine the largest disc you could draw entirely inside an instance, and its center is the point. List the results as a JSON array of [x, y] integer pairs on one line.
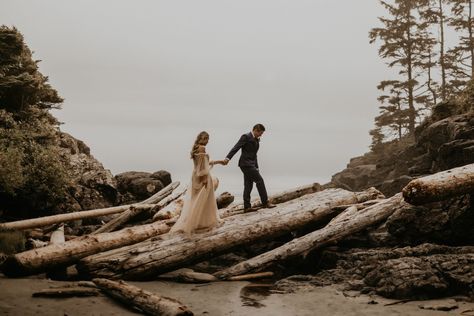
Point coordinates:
[[218, 298]]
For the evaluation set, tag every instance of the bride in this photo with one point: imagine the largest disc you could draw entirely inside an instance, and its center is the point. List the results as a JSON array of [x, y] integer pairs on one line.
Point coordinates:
[[200, 207]]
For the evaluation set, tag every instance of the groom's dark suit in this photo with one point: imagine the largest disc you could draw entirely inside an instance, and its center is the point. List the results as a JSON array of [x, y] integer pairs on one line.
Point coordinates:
[[248, 163]]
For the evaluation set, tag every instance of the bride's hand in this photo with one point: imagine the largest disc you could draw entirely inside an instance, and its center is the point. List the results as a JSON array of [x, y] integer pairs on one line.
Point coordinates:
[[204, 181]]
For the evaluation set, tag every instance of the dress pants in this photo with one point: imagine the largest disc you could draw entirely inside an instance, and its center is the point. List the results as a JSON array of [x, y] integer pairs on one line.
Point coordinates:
[[251, 175]]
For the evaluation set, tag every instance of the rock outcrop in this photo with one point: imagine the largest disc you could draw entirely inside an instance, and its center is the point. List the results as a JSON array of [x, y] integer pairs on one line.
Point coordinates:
[[442, 142], [421, 272], [95, 187], [135, 186]]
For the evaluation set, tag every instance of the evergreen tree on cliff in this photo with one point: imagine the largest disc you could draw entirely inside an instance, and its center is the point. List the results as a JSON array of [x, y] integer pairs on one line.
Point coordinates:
[[33, 179], [461, 56], [406, 45], [434, 14]]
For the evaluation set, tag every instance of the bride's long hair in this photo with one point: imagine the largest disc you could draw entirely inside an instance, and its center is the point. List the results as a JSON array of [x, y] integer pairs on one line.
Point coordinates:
[[197, 142]]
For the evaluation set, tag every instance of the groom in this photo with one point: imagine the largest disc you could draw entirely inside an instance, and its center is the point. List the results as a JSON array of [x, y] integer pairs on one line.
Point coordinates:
[[249, 143]]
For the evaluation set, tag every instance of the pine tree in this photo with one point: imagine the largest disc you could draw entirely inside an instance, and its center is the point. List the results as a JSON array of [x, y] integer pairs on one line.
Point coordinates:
[[22, 86], [433, 13], [404, 43], [34, 176], [461, 57]]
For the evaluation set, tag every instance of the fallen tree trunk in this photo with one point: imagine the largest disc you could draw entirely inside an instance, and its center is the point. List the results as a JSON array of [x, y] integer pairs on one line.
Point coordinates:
[[67, 292], [47, 220], [119, 221], [440, 186], [57, 238], [188, 276], [275, 199], [151, 258], [58, 255], [34, 243], [345, 224], [133, 211], [160, 195], [251, 276], [148, 302], [171, 206]]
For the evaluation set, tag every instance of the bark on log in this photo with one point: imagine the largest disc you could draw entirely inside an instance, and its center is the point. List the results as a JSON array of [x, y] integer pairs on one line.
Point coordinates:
[[132, 212], [160, 195], [275, 199], [47, 220], [171, 206], [119, 221], [440, 186], [148, 302], [44, 221], [57, 238], [251, 276], [188, 276], [57, 255], [359, 205], [345, 224], [151, 258], [67, 292], [34, 243]]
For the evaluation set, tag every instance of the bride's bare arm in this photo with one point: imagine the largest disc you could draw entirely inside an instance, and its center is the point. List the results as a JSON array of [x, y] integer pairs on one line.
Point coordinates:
[[217, 162]]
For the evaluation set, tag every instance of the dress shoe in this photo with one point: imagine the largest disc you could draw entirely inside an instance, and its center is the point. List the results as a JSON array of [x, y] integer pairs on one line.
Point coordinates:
[[250, 209], [268, 205]]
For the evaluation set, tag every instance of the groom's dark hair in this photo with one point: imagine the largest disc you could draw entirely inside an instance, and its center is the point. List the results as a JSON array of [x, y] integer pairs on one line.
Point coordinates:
[[259, 127]]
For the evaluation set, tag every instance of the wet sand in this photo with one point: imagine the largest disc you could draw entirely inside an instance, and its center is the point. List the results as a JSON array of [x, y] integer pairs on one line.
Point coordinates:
[[220, 298]]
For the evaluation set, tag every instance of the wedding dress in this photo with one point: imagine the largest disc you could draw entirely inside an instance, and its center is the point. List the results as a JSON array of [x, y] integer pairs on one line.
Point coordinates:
[[200, 207]]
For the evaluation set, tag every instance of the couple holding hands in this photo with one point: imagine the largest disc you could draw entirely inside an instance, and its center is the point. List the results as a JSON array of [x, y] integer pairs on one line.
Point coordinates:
[[200, 208]]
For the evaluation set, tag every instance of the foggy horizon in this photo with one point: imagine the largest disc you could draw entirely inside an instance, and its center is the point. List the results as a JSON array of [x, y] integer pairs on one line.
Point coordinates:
[[141, 80]]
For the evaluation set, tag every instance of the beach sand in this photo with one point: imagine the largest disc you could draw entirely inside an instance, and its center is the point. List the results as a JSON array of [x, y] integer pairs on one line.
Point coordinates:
[[220, 298]]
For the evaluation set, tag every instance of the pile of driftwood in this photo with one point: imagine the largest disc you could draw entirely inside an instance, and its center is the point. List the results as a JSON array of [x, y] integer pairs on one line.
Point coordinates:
[[136, 245]]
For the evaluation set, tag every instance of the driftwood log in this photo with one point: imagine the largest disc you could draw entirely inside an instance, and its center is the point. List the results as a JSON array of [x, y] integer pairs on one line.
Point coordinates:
[[160, 195], [119, 221], [150, 258], [57, 238], [188, 276], [133, 212], [440, 186], [35, 243], [57, 255], [48, 220], [251, 276], [171, 206], [276, 199], [60, 218], [67, 292], [147, 302], [348, 222]]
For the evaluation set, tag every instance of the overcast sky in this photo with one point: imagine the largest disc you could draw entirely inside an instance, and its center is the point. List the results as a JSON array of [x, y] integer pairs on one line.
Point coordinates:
[[141, 78]]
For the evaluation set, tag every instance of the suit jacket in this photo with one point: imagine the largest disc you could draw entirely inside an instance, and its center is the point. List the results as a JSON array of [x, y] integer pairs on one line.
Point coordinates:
[[249, 146]]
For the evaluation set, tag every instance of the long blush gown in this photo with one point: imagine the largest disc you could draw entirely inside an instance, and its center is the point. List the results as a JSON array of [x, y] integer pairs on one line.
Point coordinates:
[[199, 211]]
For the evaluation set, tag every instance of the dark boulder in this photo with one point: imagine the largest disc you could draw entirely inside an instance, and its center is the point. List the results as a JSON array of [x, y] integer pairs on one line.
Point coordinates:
[[135, 186]]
